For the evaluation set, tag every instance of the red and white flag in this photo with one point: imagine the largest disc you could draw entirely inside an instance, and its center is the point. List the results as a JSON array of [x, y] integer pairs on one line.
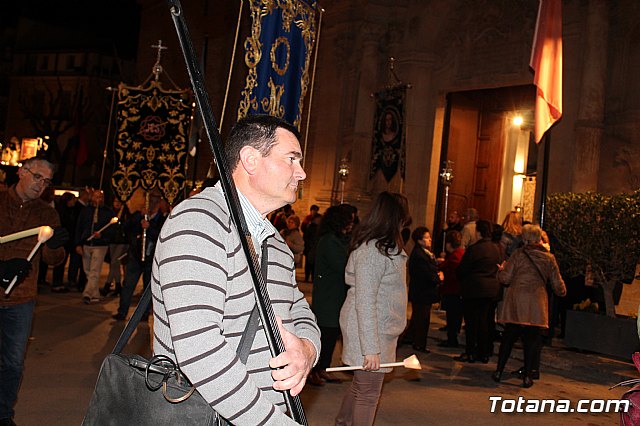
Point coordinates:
[[546, 61]]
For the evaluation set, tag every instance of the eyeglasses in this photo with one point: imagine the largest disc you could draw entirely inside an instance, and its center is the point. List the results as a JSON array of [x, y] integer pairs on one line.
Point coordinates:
[[39, 178]]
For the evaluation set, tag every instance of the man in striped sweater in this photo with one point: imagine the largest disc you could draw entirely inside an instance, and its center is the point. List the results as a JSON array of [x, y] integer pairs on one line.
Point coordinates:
[[203, 293]]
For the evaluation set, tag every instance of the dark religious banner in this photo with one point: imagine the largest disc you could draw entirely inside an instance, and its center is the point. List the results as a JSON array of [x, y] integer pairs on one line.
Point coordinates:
[[388, 144], [278, 54], [152, 140]]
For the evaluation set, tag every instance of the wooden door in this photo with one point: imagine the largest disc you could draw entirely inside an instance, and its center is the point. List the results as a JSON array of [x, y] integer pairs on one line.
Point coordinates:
[[488, 165]]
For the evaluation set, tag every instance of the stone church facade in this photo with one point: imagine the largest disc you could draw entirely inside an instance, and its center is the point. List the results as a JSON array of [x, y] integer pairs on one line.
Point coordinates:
[[467, 64]]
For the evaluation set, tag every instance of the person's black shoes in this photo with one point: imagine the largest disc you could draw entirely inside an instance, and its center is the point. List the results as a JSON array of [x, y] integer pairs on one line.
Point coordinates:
[[315, 379], [527, 382], [116, 291], [105, 290], [465, 357], [422, 349], [534, 374], [119, 317], [328, 377], [496, 376]]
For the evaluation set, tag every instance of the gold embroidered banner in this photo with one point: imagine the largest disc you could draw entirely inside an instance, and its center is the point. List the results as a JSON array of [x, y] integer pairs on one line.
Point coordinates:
[[152, 140], [278, 54], [388, 143]]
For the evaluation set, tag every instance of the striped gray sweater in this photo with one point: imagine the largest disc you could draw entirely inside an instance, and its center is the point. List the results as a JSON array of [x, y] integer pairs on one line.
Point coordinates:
[[202, 298]]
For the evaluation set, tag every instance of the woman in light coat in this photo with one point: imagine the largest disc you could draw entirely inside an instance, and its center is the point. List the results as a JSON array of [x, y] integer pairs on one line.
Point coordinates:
[[374, 313], [293, 238], [524, 309]]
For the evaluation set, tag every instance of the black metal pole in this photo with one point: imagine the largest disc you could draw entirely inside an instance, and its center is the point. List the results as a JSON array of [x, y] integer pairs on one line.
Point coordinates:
[[203, 66], [545, 177], [274, 339], [438, 226]]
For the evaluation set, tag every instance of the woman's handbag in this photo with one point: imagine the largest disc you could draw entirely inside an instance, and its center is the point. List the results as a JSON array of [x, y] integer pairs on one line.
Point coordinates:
[[132, 390]]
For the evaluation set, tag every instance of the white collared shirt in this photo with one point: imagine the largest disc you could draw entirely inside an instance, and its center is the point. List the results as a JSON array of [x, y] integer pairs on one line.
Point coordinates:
[[260, 228]]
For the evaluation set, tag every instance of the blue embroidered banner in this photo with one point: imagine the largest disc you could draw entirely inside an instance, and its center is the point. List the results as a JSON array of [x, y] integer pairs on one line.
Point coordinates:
[[278, 54]]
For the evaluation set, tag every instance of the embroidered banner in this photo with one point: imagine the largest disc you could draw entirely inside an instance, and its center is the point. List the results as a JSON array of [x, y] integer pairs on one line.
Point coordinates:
[[152, 140], [388, 144], [278, 54]]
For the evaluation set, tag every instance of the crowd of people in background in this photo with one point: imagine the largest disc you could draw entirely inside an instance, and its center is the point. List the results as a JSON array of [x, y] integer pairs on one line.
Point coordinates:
[[480, 280], [95, 237], [496, 279], [467, 279]]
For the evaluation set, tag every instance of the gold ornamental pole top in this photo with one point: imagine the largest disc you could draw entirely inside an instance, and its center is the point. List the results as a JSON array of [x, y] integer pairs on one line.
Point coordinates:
[[157, 68]]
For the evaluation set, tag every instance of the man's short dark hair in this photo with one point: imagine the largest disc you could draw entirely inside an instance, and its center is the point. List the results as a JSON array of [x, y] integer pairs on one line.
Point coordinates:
[[257, 131], [484, 228]]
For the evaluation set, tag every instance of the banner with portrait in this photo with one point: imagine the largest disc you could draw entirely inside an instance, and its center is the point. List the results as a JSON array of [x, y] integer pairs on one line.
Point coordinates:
[[278, 54], [388, 143], [151, 140]]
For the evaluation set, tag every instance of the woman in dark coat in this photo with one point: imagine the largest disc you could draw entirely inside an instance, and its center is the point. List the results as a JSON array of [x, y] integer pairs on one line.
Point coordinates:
[[329, 288], [524, 310], [424, 280], [450, 289], [479, 288]]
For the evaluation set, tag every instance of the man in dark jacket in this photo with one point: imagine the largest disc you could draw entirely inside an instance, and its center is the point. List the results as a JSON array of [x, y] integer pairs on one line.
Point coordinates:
[[75, 274], [92, 244], [21, 209], [479, 288], [147, 223]]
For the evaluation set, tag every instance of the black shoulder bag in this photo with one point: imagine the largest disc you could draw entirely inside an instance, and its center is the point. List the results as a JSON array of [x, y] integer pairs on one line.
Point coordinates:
[[132, 390]]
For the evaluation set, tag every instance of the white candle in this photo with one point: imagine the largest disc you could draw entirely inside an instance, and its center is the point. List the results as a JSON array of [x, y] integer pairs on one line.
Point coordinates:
[[19, 235], [111, 222], [412, 362]]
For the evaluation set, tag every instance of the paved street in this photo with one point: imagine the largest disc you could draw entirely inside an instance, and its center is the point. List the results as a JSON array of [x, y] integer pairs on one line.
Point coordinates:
[[70, 340]]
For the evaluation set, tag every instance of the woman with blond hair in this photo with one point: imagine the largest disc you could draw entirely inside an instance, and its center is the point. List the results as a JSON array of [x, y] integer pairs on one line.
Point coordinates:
[[511, 235], [375, 310], [524, 310]]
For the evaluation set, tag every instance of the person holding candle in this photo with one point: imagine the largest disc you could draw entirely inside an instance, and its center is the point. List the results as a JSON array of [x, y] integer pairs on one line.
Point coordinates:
[[375, 310], [22, 209], [150, 220], [92, 243], [118, 247], [17, 268]]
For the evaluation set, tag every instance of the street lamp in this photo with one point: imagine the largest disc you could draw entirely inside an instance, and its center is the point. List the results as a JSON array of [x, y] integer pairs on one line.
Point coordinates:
[[446, 179], [343, 173]]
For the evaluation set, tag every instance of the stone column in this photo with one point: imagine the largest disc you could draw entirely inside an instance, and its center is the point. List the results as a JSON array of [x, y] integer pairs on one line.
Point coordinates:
[[422, 167], [590, 122], [367, 83]]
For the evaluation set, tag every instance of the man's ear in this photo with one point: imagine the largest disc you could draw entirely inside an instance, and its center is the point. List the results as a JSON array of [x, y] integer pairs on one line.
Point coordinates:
[[249, 158]]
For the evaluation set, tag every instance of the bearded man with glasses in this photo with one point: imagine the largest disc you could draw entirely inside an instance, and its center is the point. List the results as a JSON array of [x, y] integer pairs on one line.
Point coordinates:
[[20, 209]]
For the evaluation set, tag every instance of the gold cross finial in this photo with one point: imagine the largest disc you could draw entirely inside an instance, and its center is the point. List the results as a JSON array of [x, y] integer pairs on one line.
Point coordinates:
[[157, 68]]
